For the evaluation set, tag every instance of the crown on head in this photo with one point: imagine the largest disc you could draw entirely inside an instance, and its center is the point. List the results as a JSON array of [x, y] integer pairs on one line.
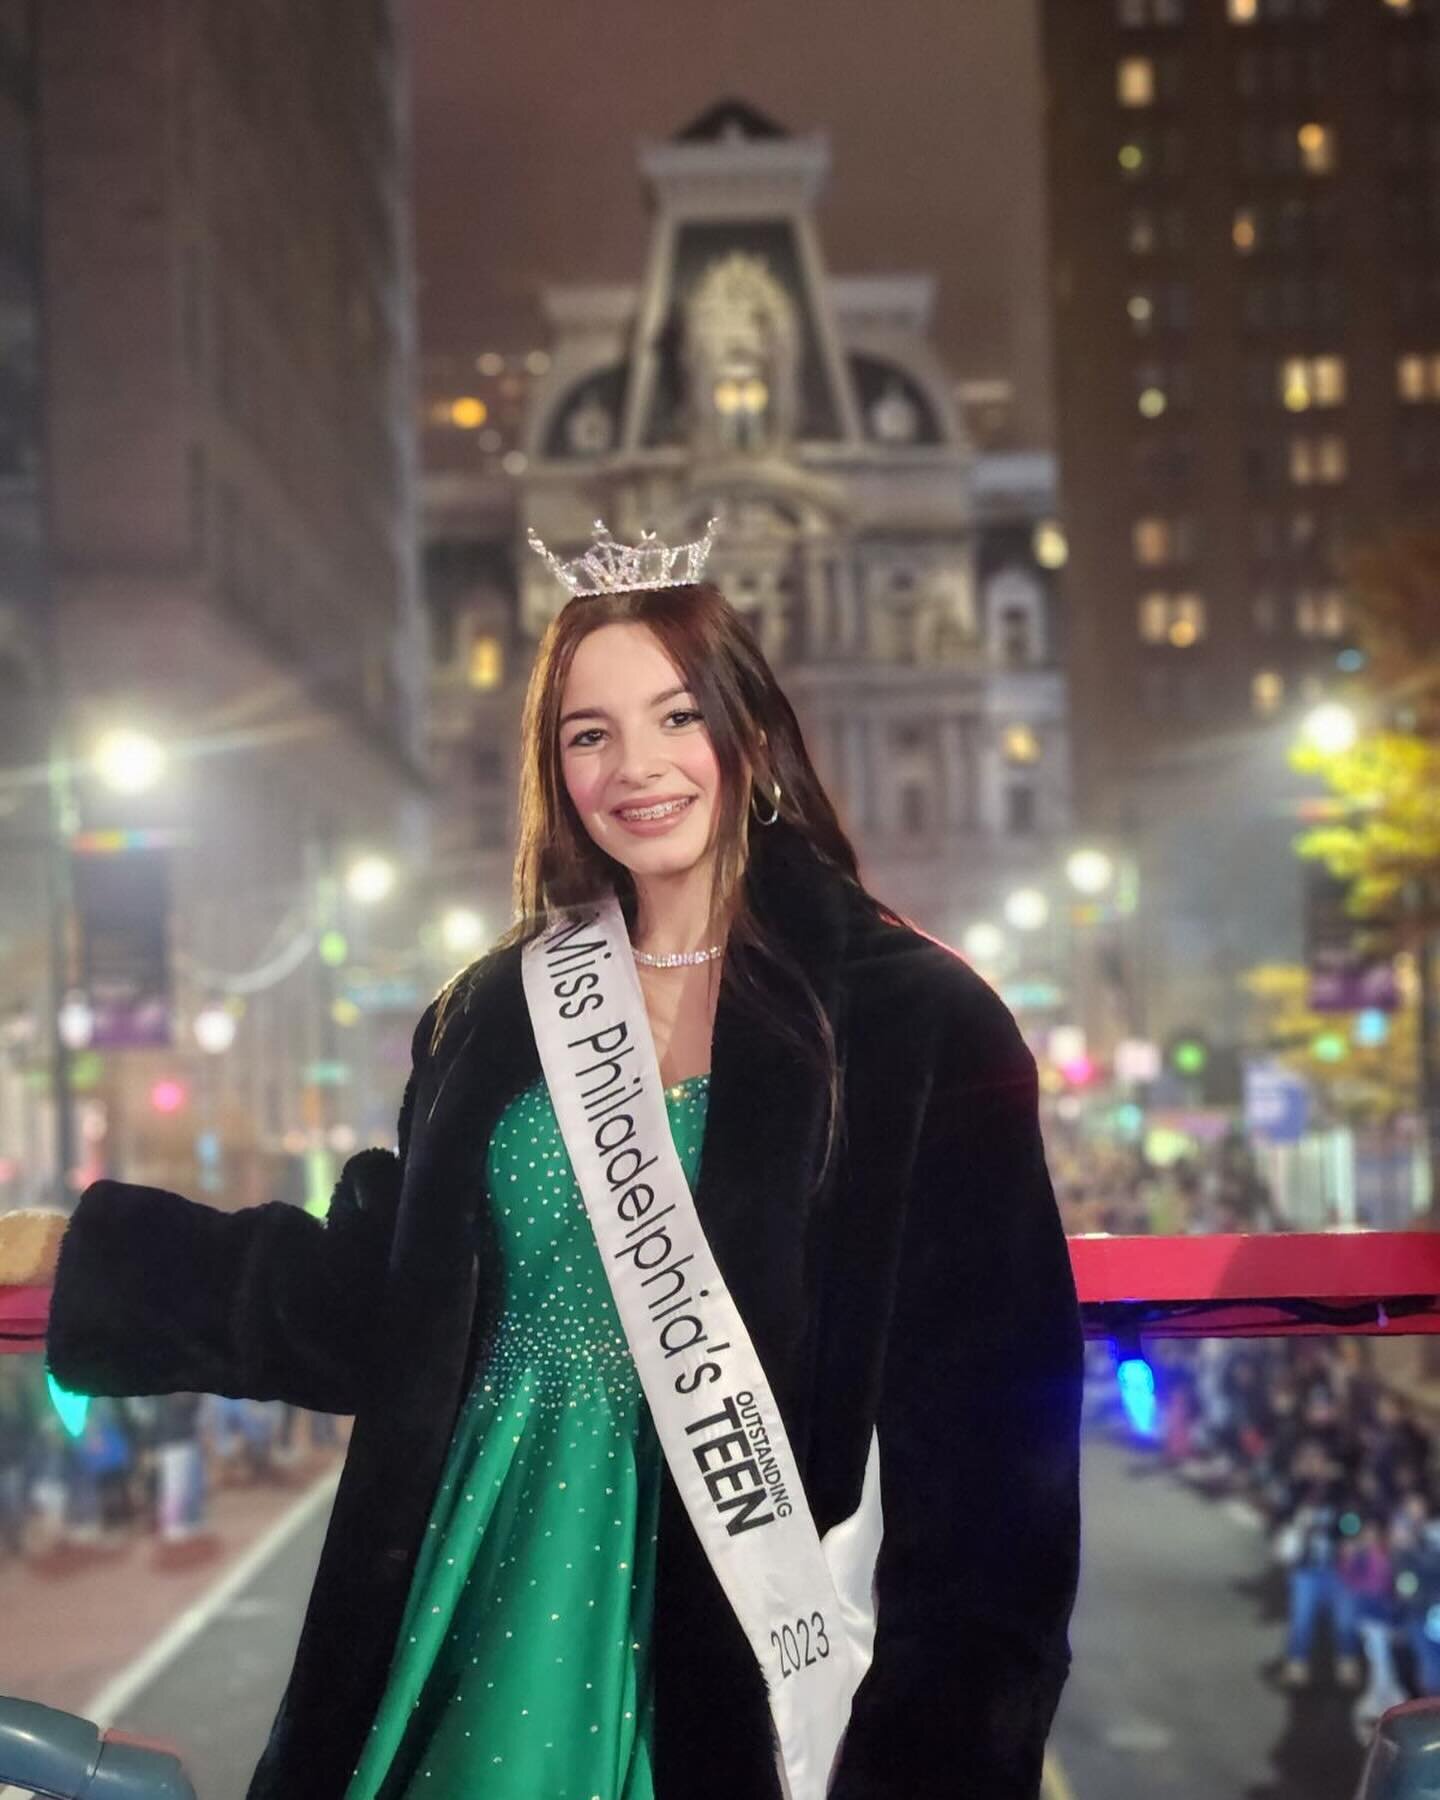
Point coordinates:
[[611, 568]]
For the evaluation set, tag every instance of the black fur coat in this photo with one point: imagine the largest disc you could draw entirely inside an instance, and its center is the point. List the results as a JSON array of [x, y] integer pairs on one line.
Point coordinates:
[[922, 1286]]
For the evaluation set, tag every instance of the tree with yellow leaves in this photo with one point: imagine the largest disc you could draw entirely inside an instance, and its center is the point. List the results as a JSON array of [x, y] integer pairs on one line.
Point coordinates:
[[1355, 1080], [1383, 838]]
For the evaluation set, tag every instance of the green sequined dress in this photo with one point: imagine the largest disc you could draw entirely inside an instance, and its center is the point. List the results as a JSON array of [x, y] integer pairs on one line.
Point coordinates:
[[522, 1665]]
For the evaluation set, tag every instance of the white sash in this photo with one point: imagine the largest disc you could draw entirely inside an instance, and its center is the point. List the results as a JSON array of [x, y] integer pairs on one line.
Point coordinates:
[[715, 1415]]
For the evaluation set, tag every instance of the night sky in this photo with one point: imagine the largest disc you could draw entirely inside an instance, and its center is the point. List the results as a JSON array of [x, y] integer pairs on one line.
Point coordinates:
[[526, 117]]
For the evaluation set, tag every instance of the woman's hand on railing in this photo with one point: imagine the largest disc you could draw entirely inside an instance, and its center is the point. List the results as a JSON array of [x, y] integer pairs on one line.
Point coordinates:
[[30, 1246]]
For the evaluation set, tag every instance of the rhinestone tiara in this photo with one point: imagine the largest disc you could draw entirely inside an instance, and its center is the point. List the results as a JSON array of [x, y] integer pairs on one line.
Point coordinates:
[[611, 568]]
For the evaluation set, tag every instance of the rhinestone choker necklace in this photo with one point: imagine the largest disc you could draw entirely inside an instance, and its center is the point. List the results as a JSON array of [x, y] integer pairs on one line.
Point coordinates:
[[678, 959]]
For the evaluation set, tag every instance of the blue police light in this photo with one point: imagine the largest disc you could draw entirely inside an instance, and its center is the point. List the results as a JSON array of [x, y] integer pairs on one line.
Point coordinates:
[[1136, 1380]]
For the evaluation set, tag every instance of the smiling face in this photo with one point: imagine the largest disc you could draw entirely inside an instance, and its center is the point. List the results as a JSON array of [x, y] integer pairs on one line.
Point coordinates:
[[635, 754]]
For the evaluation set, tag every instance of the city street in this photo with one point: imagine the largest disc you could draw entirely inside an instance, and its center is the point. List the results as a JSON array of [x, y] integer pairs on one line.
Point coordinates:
[[1179, 1618], [1179, 1626]]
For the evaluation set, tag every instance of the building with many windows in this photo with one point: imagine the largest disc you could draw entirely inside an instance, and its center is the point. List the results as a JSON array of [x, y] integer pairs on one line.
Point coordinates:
[[1245, 255], [207, 514], [910, 620], [1246, 265]]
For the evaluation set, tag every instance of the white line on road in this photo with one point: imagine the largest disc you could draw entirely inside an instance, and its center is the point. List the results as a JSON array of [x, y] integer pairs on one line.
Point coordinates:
[[118, 1693], [1054, 1784]]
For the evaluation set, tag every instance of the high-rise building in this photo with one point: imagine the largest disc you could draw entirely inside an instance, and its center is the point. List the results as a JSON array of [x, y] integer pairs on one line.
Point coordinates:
[[1244, 219], [1244, 202], [206, 322]]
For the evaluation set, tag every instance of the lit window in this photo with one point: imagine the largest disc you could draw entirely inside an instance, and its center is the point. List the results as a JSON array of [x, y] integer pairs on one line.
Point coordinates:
[[1244, 232], [1417, 377], [1174, 619], [1267, 690], [1327, 380], [1244, 12], [1317, 460], [1317, 149], [1152, 542], [487, 662], [1020, 744], [1142, 236], [1187, 626], [1320, 613], [1050, 546], [1306, 381], [1135, 81], [1154, 618]]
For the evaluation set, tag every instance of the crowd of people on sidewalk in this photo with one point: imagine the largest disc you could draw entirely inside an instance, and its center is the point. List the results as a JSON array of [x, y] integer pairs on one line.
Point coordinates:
[[1116, 1188], [1343, 1476], [1335, 1466], [131, 1466]]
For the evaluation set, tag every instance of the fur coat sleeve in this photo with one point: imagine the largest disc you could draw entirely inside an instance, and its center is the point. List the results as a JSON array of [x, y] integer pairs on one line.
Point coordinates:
[[156, 1294], [978, 1428]]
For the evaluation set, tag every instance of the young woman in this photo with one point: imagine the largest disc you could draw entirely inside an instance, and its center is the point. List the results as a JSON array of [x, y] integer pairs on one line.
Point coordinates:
[[521, 1593]]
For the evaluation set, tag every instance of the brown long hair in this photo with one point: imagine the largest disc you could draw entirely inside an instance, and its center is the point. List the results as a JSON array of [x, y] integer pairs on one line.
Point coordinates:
[[757, 742]]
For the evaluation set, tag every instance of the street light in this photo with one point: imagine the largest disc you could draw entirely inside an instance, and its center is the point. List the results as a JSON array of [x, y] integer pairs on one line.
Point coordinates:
[[1332, 728], [462, 929], [1089, 871], [215, 1029], [370, 879], [984, 943], [128, 761], [1027, 909]]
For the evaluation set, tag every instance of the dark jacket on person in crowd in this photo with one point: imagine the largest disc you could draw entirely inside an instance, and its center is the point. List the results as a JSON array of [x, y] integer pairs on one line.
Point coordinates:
[[916, 1284]]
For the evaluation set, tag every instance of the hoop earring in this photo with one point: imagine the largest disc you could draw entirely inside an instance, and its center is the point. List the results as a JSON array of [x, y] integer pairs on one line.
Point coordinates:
[[755, 812]]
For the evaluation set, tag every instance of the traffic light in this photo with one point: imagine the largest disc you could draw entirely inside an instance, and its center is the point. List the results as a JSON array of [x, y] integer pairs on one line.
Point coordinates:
[[1189, 1054]]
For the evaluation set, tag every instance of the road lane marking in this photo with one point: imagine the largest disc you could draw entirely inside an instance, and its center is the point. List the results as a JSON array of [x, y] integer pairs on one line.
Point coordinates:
[[118, 1693]]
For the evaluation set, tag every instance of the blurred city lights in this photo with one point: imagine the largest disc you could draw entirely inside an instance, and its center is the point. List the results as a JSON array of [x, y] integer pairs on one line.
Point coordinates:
[[215, 1029], [469, 412], [168, 1096], [77, 1022], [70, 1409], [129, 762], [462, 929], [1089, 871], [1371, 1029], [1136, 1380], [1049, 544], [1066, 1044], [1190, 1056], [334, 948], [1027, 909], [370, 879], [1331, 728], [984, 942]]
